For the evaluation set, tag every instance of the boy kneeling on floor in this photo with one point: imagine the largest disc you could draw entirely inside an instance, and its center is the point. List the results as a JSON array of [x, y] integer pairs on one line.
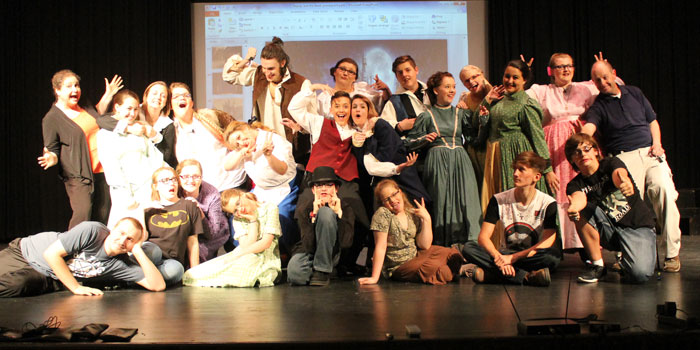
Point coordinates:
[[608, 212]]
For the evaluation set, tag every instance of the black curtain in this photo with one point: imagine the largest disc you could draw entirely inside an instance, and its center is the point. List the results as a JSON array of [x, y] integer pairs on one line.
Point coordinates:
[[143, 41], [651, 44]]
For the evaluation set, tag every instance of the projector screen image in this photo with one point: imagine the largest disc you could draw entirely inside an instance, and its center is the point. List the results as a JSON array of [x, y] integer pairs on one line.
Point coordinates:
[[316, 35]]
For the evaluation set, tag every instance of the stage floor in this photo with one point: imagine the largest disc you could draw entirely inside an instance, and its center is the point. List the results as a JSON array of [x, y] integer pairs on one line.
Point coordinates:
[[346, 312]]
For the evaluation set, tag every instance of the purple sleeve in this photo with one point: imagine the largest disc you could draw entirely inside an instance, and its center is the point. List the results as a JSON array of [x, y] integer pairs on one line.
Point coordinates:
[[214, 218]]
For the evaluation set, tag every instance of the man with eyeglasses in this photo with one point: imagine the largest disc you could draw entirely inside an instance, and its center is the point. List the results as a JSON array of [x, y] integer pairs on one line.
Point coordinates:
[[607, 210], [326, 226], [631, 132]]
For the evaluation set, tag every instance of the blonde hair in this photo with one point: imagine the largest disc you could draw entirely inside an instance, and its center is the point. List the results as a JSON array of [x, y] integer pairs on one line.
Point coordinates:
[[154, 182], [230, 194]]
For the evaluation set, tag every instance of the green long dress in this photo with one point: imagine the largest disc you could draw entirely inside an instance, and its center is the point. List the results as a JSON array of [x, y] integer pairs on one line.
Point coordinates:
[[448, 174], [515, 126]]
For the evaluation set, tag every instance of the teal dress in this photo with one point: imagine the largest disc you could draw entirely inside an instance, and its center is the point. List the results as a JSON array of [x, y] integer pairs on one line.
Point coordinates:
[[448, 174], [515, 126]]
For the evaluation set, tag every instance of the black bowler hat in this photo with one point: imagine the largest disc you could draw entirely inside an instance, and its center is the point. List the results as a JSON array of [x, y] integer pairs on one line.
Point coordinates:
[[324, 174]]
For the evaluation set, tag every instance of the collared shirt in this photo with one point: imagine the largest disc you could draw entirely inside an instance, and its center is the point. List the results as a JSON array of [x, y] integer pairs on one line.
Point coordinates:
[[311, 122], [623, 122], [419, 105], [269, 106], [194, 141], [563, 104]]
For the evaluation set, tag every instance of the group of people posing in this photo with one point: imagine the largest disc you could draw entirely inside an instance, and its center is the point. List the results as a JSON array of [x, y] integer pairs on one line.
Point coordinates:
[[493, 188]]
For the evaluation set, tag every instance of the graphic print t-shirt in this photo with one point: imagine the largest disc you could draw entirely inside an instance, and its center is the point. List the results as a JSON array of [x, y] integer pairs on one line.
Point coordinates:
[[86, 257], [601, 192], [523, 225], [170, 226]]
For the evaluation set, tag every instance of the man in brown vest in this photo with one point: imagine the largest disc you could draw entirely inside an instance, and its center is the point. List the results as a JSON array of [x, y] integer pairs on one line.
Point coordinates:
[[274, 85]]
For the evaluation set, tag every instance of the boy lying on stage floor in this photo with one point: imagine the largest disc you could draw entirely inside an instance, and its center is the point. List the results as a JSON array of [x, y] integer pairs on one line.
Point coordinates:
[[32, 265]]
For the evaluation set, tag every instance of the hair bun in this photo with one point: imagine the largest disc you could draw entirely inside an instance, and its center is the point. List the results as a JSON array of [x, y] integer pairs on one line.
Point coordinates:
[[277, 41]]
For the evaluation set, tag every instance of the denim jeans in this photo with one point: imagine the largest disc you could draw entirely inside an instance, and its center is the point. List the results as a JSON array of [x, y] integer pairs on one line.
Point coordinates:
[[638, 246], [171, 269], [301, 265]]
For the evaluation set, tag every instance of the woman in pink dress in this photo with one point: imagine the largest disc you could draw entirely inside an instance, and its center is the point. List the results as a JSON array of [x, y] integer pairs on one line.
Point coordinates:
[[563, 102]]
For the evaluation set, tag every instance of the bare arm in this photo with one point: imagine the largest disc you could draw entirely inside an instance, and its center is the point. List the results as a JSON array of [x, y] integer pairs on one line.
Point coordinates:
[[234, 159], [250, 244], [548, 237], [380, 242], [577, 201], [54, 257], [153, 279], [111, 89], [589, 129], [275, 163], [424, 238], [484, 239], [193, 249], [656, 148]]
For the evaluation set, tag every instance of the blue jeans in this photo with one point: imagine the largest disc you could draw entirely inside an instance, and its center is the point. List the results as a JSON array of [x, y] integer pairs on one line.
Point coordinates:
[[171, 269], [638, 246], [301, 265]]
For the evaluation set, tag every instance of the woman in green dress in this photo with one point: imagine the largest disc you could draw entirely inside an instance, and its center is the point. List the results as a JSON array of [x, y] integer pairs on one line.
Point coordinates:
[[448, 174], [515, 126]]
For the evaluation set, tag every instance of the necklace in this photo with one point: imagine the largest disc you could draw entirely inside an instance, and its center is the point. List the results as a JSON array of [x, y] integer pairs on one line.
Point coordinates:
[[523, 211]]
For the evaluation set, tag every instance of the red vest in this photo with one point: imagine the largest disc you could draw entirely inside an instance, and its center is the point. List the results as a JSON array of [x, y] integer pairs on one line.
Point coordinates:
[[333, 152]]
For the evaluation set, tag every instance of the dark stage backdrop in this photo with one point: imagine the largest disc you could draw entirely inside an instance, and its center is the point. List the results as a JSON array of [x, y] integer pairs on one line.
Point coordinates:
[[143, 41], [653, 44]]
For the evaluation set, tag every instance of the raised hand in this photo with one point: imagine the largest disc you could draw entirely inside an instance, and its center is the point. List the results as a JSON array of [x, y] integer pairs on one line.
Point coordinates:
[[290, 123], [496, 93], [323, 87], [268, 146], [380, 85], [112, 87], [626, 186], [410, 160], [599, 57], [529, 63], [420, 210]]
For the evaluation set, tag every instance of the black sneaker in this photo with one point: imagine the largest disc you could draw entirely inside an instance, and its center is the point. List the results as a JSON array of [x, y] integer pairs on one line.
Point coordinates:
[[592, 274], [320, 279]]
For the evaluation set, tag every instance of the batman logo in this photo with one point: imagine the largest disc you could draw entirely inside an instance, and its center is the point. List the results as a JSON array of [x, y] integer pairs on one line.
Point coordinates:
[[170, 219]]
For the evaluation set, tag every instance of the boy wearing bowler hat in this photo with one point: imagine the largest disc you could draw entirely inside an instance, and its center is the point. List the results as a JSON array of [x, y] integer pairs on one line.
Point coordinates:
[[326, 226]]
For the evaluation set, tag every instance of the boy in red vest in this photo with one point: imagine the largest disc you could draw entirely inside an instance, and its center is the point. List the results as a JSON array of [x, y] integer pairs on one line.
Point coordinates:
[[332, 144]]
